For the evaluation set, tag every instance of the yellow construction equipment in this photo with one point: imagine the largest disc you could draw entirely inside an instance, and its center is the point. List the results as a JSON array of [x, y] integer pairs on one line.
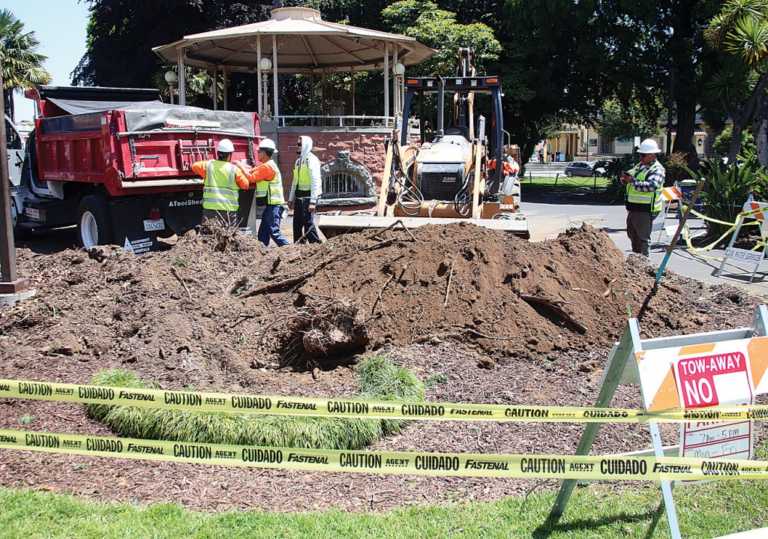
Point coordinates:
[[454, 174]]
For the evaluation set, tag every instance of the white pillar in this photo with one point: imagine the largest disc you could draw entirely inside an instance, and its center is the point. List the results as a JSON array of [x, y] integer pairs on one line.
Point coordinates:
[[386, 81], [225, 85], [274, 78], [396, 85], [259, 97], [215, 88], [182, 82]]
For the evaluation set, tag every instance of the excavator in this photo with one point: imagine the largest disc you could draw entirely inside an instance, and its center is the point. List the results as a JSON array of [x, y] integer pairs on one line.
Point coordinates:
[[452, 174]]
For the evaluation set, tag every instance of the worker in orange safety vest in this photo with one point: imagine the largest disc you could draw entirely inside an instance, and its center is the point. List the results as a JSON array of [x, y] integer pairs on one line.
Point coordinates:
[[223, 182]]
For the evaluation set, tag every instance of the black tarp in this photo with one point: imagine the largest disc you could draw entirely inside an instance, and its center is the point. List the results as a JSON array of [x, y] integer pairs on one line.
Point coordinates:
[[158, 116]]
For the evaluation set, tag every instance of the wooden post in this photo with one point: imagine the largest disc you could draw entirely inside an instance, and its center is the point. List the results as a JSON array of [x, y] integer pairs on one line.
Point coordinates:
[[10, 284]]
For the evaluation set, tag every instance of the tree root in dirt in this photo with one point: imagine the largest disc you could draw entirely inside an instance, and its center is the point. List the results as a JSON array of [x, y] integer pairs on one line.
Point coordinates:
[[320, 336]]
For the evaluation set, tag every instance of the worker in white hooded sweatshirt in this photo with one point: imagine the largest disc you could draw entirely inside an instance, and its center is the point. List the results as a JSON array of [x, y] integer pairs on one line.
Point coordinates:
[[306, 188]]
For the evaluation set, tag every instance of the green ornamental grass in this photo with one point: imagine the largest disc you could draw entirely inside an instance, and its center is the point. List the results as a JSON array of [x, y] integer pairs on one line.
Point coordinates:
[[378, 377]]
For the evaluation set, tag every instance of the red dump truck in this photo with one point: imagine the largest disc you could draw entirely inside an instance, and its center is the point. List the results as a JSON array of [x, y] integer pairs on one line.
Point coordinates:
[[117, 163]]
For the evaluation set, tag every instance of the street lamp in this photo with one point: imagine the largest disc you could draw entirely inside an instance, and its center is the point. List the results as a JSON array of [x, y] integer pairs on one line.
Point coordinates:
[[171, 79], [265, 66], [399, 71]]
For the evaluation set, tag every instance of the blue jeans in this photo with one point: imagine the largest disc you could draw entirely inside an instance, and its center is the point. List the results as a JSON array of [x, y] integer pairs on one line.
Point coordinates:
[[270, 226], [304, 221]]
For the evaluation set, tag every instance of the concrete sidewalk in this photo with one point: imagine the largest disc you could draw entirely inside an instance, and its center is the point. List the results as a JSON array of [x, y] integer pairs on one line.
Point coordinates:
[[547, 220]]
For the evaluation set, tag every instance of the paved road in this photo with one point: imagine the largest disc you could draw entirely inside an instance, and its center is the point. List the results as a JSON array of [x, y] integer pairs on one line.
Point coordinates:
[[551, 214]]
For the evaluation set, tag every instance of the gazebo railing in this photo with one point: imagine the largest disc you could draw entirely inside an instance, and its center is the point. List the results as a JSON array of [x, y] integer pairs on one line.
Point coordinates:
[[335, 121]]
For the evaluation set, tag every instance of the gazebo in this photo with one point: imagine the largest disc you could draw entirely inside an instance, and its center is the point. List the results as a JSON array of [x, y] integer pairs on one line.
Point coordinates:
[[297, 40]]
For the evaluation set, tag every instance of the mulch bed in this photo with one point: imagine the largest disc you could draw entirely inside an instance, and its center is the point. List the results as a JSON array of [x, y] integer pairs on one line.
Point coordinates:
[[194, 316]]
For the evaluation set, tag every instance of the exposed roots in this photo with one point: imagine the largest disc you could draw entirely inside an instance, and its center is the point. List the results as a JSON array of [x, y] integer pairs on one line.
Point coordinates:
[[323, 336]]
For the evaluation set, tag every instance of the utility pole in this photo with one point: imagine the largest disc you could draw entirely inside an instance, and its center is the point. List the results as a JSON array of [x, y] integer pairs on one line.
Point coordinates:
[[9, 281]]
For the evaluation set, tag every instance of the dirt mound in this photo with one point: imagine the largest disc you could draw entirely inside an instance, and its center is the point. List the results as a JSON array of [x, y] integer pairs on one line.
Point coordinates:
[[215, 306]]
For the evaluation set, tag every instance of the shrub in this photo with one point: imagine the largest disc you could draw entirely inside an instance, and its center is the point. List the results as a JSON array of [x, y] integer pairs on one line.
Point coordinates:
[[726, 189], [379, 379]]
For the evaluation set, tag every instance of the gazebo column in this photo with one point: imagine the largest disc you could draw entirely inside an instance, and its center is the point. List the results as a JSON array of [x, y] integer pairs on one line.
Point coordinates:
[[215, 88], [386, 83], [182, 78], [259, 97], [274, 79], [225, 87], [396, 85]]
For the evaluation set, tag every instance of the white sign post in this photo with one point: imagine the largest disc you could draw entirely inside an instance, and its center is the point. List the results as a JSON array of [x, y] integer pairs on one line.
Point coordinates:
[[704, 369]]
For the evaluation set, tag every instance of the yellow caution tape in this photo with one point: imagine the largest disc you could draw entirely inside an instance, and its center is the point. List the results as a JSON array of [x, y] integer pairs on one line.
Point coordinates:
[[732, 226], [615, 467], [323, 407]]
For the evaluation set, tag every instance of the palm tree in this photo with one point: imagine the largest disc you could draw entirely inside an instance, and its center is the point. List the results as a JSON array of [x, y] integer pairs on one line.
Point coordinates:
[[741, 30], [20, 62]]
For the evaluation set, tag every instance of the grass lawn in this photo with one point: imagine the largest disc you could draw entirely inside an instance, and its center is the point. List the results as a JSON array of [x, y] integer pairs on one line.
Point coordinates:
[[705, 511], [564, 182]]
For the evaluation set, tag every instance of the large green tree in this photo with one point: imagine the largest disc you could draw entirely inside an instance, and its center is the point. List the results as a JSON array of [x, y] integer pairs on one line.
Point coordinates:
[[740, 32], [623, 120], [439, 29], [20, 62], [121, 34], [562, 59]]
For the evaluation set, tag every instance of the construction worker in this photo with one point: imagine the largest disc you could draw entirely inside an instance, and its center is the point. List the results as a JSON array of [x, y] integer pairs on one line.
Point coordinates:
[[306, 188], [269, 194], [223, 181], [643, 201]]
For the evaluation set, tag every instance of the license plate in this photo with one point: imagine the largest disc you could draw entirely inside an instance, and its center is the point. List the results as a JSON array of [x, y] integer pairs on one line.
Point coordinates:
[[152, 225], [32, 213]]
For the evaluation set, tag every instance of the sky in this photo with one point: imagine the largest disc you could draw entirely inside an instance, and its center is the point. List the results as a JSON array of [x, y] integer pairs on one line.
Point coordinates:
[[60, 26]]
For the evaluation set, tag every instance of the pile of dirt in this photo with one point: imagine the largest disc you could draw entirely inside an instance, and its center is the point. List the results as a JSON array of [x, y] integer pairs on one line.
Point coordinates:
[[216, 307]]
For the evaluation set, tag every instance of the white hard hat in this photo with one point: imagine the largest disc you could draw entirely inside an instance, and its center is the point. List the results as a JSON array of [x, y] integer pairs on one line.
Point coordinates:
[[267, 144], [225, 146], [649, 146]]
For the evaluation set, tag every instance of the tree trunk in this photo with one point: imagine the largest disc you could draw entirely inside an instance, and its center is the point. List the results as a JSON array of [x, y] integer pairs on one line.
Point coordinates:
[[734, 147], [744, 114], [761, 130], [686, 126], [682, 47]]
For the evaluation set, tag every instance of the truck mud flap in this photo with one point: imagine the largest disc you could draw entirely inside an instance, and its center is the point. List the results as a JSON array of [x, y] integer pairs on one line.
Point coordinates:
[[138, 221]]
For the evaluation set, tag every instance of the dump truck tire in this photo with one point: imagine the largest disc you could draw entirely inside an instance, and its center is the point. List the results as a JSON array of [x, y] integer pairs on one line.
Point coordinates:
[[93, 226]]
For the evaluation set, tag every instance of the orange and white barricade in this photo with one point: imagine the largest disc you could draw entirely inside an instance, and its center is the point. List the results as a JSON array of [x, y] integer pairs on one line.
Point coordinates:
[[751, 210]]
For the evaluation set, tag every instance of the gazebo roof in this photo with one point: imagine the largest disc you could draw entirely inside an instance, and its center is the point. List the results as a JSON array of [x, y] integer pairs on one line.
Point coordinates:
[[305, 43]]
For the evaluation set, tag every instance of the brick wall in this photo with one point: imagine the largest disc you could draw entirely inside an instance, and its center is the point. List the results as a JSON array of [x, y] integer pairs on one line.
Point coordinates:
[[365, 147]]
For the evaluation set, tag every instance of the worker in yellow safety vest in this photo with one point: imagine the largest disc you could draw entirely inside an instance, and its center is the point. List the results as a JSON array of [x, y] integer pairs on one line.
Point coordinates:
[[223, 182], [643, 201], [306, 188], [269, 198]]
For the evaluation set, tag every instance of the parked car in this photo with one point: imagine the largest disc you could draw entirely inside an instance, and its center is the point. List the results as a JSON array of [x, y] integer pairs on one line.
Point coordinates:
[[580, 168]]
